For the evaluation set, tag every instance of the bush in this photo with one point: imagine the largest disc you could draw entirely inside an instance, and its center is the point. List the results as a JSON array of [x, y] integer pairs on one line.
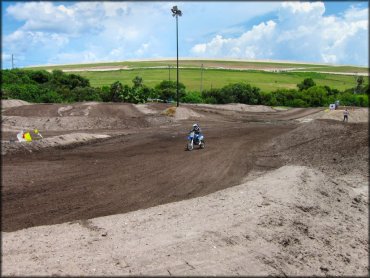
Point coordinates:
[[26, 92], [298, 103], [192, 97], [42, 86], [40, 76], [307, 83], [85, 94], [167, 90], [316, 96], [241, 93], [50, 97], [212, 96]]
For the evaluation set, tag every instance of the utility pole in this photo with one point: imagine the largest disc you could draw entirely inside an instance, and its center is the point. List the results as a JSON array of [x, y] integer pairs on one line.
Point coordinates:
[[12, 62], [169, 73], [201, 79]]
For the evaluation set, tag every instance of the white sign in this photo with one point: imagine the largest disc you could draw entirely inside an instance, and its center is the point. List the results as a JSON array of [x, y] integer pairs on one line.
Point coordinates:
[[332, 106]]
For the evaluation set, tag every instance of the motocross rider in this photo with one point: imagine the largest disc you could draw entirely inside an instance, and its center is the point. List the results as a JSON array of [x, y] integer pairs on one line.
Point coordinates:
[[196, 129]]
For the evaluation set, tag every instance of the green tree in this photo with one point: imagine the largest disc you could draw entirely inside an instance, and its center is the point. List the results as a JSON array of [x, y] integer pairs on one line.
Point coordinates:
[[105, 94], [213, 96], [166, 90], [241, 93], [307, 83], [85, 94], [40, 76], [359, 84], [75, 81], [316, 96], [116, 92], [138, 81], [192, 97]]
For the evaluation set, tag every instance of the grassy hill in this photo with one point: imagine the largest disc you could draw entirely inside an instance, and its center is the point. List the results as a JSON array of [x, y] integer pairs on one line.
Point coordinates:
[[216, 73]]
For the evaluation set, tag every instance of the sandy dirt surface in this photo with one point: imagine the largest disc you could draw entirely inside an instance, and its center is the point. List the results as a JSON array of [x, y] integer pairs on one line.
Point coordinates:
[[8, 103], [97, 68], [333, 72], [271, 194], [356, 115], [239, 107]]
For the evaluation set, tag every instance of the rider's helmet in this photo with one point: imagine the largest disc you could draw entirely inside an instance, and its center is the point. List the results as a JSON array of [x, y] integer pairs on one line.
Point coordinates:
[[196, 126]]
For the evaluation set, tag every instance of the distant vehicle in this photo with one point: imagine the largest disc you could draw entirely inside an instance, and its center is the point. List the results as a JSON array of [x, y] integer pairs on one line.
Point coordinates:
[[154, 100], [195, 139]]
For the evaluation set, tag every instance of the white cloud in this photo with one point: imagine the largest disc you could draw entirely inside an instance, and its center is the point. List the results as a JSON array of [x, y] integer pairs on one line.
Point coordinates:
[[73, 20], [81, 57], [6, 60], [23, 40], [355, 13], [315, 8], [199, 48], [247, 45], [329, 58], [142, 50], [112, 9], [301, 32]]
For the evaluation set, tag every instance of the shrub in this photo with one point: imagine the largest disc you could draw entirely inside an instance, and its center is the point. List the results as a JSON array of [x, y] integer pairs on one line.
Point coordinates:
[[192, 97], [307, 83], [212, 96], [241, 93], [167, 90]]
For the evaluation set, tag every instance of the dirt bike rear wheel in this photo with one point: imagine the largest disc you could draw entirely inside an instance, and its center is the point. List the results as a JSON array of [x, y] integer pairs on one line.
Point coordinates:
[[202, 145]]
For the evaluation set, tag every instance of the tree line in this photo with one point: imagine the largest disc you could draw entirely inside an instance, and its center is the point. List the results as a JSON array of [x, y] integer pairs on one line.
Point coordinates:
[[40, 86]]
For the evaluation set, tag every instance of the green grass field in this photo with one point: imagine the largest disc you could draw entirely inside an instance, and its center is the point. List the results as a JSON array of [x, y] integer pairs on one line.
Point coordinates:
[[212, 78], [213, 64], [216, 77]]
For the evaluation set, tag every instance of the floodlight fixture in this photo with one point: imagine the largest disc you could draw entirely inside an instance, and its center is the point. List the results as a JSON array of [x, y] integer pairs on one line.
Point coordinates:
[[176, 11]]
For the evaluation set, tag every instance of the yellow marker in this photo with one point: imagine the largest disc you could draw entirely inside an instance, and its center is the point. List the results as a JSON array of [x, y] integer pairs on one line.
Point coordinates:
[[27, 136]]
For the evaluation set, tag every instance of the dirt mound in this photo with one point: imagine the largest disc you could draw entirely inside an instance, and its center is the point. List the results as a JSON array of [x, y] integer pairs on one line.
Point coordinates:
[[9, 103], [54, 141], [78, 116], [357, 115], [181, 113], [145, 109], [326, 144], [239, 107], [288, 222]]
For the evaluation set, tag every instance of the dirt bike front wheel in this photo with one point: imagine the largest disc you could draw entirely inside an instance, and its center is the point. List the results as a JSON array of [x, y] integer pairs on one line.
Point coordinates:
[[190, 146]]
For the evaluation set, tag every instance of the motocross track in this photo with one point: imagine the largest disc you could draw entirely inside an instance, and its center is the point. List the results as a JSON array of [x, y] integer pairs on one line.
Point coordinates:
[[143, 164]]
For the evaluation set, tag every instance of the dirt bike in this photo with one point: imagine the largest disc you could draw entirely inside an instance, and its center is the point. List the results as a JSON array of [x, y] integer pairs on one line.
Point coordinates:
[[195, 139]]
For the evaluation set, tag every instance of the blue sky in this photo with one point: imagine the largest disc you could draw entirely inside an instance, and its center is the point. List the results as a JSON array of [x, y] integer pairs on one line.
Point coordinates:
[[39, 33]]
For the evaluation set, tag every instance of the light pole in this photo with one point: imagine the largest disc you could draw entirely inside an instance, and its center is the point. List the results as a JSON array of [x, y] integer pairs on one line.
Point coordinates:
[[201, 79], [176, 12]]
